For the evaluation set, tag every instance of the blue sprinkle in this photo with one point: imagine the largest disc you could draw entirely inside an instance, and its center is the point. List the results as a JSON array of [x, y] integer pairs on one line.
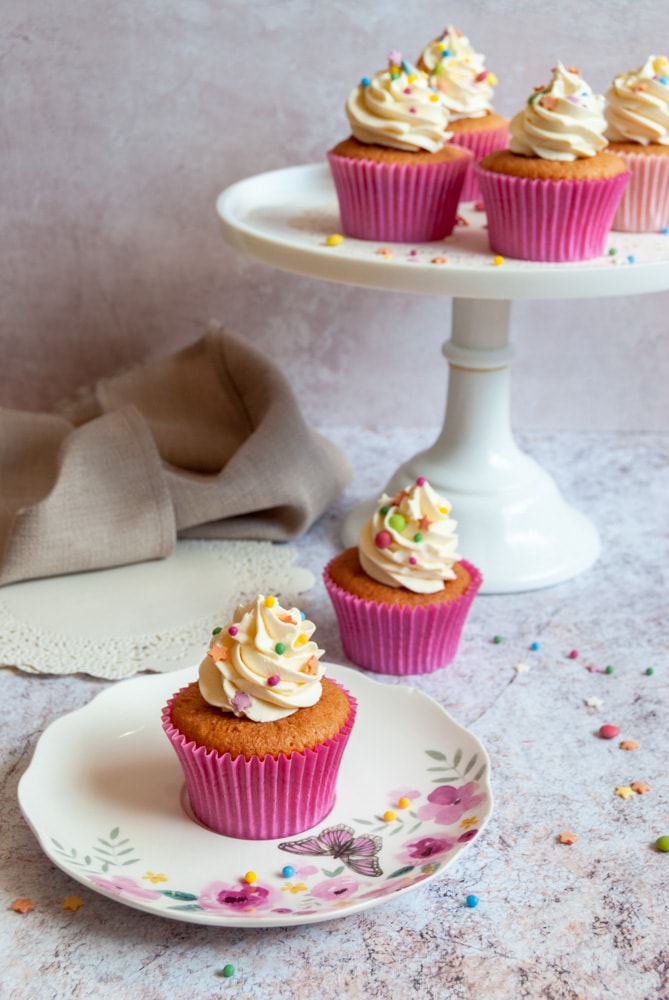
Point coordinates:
[[631, 259], [288, 871], [535, 646], [472, 901], [303, 615], [665, 230], [663, 80], [365, 82]]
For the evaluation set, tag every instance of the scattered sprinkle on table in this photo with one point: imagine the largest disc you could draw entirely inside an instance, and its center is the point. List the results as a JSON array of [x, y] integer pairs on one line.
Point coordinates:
[[649, 671], [573, 655], [662, 844], [440, 260], [23, 905], [250, 877], [629, 745], [567, 837], [535, 646], [497, 639], [498, 261], [389, 816], [631, 259], [594, 668], [287, 871], [608, 670], [334, 239], [609, 732], [472, 901], [624, 792], [593, 701], [613, 251], [228, 971], [404, 802], [72, 903], [640, 787], [522, 668]]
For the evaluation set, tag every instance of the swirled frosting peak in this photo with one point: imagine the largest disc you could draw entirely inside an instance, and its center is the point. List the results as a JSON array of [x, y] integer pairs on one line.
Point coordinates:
[[410, 540], [637, 108], [459, 75], [563, 121], [397, 108], [263, 665]]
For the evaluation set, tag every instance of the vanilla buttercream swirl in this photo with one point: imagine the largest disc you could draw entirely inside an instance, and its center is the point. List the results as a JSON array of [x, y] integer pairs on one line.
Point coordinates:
[[264, 664], [397, 108], [459, 76], [410, 541], [637, 108], [563, 121]]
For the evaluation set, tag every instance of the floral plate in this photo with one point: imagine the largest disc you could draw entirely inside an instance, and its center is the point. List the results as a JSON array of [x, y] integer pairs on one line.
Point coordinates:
[[104, 795]]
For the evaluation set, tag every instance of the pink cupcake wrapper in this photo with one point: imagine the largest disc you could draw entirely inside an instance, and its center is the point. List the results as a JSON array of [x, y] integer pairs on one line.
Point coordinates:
[[402, 203], [644, 206], [549, 220], [479, 143], [260, 799], [400, 639]]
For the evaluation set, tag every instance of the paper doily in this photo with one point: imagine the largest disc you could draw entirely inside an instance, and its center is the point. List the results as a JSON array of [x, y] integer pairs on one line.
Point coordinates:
[[147, 616]]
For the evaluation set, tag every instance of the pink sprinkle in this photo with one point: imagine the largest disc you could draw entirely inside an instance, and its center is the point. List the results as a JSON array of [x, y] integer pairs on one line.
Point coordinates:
[[412, 111], [407, 90], [573, 655], [383, 539], [483, 75], [413, 253], [420, 481], [273, 680], [233, 630], [594, 668], [609, 732], [413, 560]]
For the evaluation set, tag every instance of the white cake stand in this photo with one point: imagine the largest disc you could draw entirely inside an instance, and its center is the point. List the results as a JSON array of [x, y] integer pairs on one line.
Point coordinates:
[[513, 522]]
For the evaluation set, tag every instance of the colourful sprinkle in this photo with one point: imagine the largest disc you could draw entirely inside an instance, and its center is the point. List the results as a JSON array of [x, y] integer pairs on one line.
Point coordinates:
[[217, 630], [472, 901], [439, 260], [612, 251], [631, 259], [418, 537], [287, 871], [567, 837], [497, 639], [624, 792], [250, 877], [22, 905], [72, 903], [233, 630], [608, 670], [365, 82], [383, 539], [273, 680], [334, 239], [395, 57], [301, 639], [228, 971], [609, 732], [629, 745], [535, 646], [397, 522], [573, 655], [385, 509], [413, 561], [640, 787], [404, 802], [649, 671], [389, 816], [420, 481], [662, 844], [270, 601], [280, 648], [498, 261]]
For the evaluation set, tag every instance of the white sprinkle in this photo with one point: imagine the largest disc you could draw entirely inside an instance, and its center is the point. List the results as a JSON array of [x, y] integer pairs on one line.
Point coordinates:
[[593, 702], [522, 668]]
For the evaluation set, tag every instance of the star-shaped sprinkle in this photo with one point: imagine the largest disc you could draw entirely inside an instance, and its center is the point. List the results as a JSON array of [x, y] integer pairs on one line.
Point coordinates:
[[218, 653], [311, 666], [424, 523], [593, 701], [22, 905], [522, 668], [629, 745], [72, 903], [624, 792], [567, 837], [640, 787]]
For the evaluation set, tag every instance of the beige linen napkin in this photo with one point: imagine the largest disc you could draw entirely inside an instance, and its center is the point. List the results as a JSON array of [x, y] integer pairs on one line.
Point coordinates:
[[207, 443]]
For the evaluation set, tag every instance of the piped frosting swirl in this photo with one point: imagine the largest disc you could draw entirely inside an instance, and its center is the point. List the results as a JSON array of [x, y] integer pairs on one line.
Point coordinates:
[[563, 121], [637, 108], [458, 74], [410, 541], [263, 665]]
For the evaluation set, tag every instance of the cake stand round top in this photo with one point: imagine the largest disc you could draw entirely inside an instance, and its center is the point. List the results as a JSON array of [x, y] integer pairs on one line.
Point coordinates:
[[284, 217]]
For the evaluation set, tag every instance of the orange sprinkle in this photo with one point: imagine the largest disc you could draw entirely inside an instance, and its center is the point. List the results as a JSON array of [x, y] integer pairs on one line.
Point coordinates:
[[439, 260], [640, 787], [404, 802], [567, 837], [23, 905], [218, 652], [311, 666], [629, 745], [287, 619], [72, 903], [389, 816], [549, 102]]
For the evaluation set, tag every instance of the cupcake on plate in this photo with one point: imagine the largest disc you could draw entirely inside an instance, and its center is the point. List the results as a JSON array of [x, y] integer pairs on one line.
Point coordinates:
[[260, 735], [402, 595], [637, 112], [465, 88], [552, 195], [396, 177]]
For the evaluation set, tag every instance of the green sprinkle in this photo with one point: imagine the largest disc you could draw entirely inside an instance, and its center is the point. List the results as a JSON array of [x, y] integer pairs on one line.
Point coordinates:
[[497, 639], [397, 522], [612, 252], [384, 509], [417, 537], [217, 630], [280, 648], [649, 671], [608, 670], [662, 844], [228, 971]]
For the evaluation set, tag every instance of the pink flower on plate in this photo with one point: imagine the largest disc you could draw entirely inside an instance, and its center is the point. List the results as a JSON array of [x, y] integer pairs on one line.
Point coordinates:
[[241, 898], [424, 849], [448, 803], [124, 887], [334, 890]]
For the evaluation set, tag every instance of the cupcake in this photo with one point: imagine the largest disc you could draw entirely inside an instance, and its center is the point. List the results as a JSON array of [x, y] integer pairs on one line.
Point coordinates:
[[465, 88], [637, 112], [552, 195], [260, 735], [402, 595], [396, 177]]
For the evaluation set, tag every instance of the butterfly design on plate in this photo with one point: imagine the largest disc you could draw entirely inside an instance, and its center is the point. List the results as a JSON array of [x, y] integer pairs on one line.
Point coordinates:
[[357, 852]]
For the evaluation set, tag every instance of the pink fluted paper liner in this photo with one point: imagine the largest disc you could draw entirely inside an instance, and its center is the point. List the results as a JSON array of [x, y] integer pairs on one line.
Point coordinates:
[[260, 799], [400, 639], [479, 143], [394, 202], [644, 206], [549, 220]]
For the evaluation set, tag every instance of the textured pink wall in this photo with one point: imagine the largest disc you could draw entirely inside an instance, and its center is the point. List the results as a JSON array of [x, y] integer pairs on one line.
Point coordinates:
[[122, 121]]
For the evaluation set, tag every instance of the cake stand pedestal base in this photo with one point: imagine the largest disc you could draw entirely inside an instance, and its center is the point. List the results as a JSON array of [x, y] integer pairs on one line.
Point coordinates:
[[513, 522]]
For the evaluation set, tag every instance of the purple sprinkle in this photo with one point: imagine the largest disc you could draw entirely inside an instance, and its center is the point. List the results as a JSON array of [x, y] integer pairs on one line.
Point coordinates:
[[233, 630], [273, 680], [241, 701]]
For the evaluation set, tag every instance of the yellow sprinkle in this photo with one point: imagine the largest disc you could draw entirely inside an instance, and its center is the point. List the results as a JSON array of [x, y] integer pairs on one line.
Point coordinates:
[[412, 78], [250, 877], [434, 98], [439, 260], [492, 79], [270, 601], [301, 639], [498, 261], [72, 903], [443, 510], [404, 803], [389, 816], [659, 62], [334, 240]]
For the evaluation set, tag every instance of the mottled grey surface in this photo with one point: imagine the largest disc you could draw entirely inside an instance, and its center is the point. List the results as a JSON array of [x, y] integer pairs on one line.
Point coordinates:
[[554, 922]]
